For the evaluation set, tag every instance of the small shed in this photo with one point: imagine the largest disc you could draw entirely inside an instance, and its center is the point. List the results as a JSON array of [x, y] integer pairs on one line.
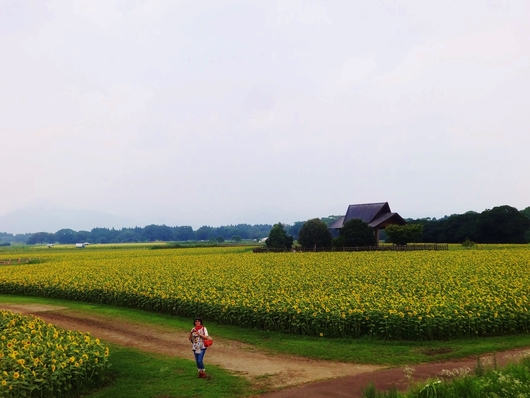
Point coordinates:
[[376, 215], [79, 245]]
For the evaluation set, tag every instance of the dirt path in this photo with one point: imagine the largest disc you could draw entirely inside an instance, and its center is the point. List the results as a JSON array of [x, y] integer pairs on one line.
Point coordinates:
[[264, 371], [290, 376], [352, 386]]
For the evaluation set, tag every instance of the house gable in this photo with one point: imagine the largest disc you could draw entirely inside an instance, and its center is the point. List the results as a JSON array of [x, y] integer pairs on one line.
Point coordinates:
[[376, 215]]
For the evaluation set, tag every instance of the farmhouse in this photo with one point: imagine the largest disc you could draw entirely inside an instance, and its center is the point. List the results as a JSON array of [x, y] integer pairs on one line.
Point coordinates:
[[376, 215]]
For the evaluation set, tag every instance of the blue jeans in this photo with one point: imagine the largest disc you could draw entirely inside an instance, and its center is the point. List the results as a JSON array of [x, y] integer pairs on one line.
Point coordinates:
[[199, 358]]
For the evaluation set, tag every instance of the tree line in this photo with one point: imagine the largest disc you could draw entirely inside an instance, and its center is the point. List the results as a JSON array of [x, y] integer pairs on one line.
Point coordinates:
[[503, 224], [150, 233]]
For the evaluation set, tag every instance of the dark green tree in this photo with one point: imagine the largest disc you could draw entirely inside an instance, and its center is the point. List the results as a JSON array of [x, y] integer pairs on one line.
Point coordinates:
[[236, 238], [183, 233], [205, 233], [83, 236], [65, 236], [355, 233], [403, 234], [41, 237], [459, 227], [503, 224], [278, 238], [314, 233], [158, 232]]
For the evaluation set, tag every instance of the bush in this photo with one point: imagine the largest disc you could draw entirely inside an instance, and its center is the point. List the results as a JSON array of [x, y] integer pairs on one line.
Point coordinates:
[[468, 243], [355, 233], [403, 234]]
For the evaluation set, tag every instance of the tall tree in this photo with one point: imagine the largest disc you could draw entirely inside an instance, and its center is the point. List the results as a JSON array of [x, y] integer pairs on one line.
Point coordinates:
[[278, 238], [503, 224], [65, 236], [314, 233]]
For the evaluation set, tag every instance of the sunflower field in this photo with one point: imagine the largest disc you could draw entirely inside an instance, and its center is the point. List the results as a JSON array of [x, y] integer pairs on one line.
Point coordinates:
[[390, 295], [40, 360]]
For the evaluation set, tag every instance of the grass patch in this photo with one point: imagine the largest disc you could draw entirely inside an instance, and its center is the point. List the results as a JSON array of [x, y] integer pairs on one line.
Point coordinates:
[[138, 374]]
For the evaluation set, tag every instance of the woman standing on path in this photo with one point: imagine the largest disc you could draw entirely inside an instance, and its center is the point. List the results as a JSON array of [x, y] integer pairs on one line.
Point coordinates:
[[197, 337]]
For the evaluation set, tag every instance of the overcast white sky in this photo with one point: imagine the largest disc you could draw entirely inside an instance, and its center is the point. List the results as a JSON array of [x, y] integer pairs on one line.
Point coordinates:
[[224, 112]]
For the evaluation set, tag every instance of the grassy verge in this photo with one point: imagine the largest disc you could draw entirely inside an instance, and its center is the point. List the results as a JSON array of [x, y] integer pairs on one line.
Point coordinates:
[[364, 350], [138, 374], [512, 381]]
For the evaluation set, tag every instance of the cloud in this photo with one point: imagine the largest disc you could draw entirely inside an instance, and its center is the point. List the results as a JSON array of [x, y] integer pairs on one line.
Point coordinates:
[[174, 110], [355, 70]]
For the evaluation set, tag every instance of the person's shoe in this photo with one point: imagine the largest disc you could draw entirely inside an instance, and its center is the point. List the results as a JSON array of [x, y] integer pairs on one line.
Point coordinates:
[[202, 374]]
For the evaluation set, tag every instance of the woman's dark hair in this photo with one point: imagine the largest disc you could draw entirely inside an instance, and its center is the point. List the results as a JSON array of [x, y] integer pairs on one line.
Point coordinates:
[[197, 319]]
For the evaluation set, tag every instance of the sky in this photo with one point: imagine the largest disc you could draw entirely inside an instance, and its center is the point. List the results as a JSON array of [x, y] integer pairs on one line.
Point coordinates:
[[225, 112]]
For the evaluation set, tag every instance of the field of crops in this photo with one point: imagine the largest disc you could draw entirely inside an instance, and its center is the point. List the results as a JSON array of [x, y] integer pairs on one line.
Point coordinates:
[[410, 295], [38, 359]]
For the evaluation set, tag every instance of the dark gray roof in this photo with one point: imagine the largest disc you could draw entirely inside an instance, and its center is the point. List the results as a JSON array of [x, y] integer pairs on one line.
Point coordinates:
[[388, 218], [366, 212], [374, 214]]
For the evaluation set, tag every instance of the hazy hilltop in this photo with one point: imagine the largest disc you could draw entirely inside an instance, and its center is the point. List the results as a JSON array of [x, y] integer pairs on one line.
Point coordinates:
[[52, 219]]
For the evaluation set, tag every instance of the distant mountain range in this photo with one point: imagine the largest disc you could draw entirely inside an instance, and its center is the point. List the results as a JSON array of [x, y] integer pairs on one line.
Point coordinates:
[[52, 219]]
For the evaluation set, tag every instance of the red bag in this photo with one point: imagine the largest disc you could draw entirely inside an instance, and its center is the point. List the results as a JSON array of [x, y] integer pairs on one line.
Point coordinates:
[[207, 343]]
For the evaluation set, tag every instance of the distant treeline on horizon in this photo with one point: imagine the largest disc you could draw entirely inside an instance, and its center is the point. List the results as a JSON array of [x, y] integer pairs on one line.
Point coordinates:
[[502, 224]]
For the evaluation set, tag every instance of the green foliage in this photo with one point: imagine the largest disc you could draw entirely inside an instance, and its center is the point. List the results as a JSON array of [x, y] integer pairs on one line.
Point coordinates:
[[403, 234], [371, 392], [512, 381], [278, 238], [41, 237], [430, 390], [503, 224], [479, 368], [468, 243], [314, 233], [236, 238], [355, 233], [65, 236]]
